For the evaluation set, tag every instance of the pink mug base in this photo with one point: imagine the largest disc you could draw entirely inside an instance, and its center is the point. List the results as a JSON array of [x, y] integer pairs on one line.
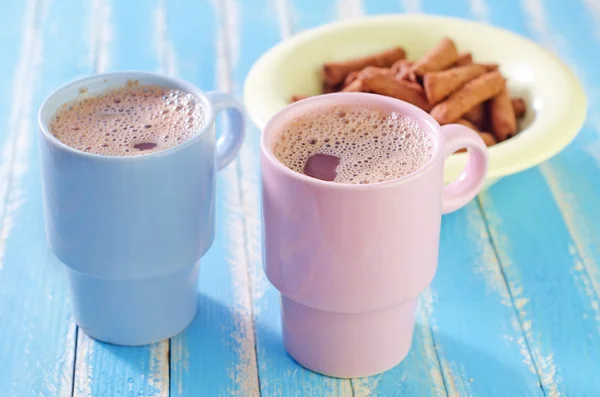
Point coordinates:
[[348, 345]]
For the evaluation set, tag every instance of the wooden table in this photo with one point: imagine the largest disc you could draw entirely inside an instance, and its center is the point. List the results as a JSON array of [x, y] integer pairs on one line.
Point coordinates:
[[514, 309]]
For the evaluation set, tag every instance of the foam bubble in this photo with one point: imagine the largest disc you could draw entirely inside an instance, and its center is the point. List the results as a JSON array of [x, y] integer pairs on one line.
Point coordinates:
[[129, 121], [374, 145]]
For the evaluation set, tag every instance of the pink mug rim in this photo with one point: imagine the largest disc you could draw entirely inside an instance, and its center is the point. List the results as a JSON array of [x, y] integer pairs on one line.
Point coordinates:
[[355, 98]]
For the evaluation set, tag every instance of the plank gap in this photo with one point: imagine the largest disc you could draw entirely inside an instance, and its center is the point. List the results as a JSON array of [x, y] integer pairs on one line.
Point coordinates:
[[568, 213], [227, 80], [437, 355], [74, 360], [356, 9], [239, 176], [169, 354], [510, 292]]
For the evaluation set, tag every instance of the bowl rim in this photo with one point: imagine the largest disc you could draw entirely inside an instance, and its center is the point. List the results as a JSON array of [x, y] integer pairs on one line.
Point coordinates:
[[506, 158]]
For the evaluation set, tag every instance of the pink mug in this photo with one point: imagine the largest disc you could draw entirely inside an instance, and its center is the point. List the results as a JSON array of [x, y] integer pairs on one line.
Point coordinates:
[[351, 260]]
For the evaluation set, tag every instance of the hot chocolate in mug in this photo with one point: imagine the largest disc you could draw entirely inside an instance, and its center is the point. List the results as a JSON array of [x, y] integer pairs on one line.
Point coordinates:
[[350, 260], [131, 229]]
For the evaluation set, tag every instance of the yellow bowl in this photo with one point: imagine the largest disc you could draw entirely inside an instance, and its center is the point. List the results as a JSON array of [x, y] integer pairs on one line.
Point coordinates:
[[556, 103]]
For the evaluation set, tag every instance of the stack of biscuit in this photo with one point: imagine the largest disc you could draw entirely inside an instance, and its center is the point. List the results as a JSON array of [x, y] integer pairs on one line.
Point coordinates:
[[448, 85]]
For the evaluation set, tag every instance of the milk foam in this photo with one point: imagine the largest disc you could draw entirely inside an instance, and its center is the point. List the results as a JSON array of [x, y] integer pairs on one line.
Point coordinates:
[[373, 145], [129, 121]]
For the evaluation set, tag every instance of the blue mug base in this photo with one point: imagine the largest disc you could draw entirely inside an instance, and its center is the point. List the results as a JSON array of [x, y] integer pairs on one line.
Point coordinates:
[[135, 312]]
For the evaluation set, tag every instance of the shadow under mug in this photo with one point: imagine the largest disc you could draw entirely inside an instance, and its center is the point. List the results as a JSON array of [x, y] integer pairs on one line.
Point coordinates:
[[131, 230], [351, 260]]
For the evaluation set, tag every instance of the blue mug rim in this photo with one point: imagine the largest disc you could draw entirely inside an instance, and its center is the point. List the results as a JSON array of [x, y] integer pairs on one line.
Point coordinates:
[[161, 81]]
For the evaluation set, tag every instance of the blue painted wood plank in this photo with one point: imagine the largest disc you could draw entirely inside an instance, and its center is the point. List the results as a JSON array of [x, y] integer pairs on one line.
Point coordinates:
[[547, 283], [37, 336], [473, 324], [420, 373], [122, 37], [553, 271], [132, 34], [477, 333], [279, 374], [568, 263], [482, 346], [215, 355], [385, 7], [307, 14], [574, 175], [11, 39], [448, 8]]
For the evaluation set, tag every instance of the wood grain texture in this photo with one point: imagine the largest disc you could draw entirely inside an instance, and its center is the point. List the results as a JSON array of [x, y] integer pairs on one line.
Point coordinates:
[[37, 336], [550, 266], [120, 38], [420, 373], [386, 7], [475, 317], [574, 176], [279, 375], [471, 314], [215, 356], [496, 329], [448, 8], [514, 308], [544, 274]]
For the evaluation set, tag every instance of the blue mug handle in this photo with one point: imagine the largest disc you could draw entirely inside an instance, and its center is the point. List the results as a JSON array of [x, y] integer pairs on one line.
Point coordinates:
[[230, 141]]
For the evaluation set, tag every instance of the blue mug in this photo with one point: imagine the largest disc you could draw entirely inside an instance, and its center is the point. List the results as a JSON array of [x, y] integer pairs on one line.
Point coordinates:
[[131, 230]]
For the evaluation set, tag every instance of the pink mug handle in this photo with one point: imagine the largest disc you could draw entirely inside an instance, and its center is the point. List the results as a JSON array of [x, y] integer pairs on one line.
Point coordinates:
[[460, 192]]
